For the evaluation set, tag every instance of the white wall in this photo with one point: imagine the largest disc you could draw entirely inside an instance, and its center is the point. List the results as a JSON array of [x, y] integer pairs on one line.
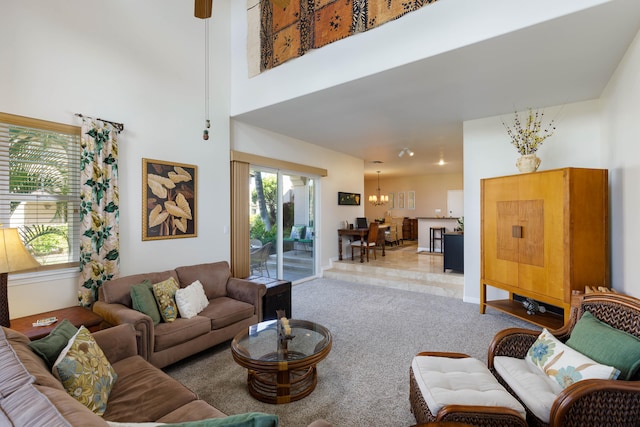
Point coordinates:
[[621, 101], [452, 23], [143, 65], [596, 134]]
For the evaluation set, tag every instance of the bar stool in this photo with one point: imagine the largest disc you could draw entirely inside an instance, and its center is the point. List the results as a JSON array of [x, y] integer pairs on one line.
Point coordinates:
[[436, 234]]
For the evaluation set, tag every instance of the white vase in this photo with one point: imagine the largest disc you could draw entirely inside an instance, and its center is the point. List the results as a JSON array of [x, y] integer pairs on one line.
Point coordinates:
[[528, 163]]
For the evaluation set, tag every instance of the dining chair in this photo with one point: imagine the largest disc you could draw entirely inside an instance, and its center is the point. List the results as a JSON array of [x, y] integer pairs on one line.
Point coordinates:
[[369, 242]]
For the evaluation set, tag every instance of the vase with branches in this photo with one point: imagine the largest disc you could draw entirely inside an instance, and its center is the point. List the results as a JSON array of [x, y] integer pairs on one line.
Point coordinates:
[[527, 136]]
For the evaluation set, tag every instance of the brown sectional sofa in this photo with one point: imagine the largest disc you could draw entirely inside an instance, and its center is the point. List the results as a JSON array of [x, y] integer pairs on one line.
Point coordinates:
[[234, 304], [31, 396]]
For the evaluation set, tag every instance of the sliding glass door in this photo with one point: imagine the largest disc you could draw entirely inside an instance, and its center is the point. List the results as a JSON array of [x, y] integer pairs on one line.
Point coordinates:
[[282, 224]]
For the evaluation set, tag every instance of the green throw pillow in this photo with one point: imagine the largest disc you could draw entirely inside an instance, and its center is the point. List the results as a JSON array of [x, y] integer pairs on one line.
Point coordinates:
[[606, 345], [144, 301], [49, 347], [250, 419]]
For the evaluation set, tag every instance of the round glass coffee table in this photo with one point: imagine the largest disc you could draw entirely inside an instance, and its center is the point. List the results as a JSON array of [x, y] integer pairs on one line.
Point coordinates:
[[281, 372]]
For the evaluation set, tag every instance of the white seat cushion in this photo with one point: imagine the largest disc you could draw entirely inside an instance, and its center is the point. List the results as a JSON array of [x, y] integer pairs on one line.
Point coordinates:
[[361, 243], [467, 381], [536, 390]]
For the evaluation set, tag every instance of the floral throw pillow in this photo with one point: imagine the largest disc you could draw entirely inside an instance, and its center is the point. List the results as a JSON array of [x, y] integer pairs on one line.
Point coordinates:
[[564, 365], [85, 372], [165, 293]]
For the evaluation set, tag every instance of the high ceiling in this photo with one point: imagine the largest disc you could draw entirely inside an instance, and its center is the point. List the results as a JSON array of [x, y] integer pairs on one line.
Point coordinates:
[[423, 105]]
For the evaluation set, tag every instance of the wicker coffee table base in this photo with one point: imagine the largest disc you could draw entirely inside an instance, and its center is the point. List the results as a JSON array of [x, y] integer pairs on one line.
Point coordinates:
[[284, 386]]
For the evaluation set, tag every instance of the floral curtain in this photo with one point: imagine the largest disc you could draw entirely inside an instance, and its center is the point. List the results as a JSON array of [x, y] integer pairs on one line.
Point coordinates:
[[99, 208]]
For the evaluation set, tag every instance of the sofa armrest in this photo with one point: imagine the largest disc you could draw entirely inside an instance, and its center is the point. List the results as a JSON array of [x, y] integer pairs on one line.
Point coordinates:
[[512, 342], [249, 292], [118, 314], [117, 343]]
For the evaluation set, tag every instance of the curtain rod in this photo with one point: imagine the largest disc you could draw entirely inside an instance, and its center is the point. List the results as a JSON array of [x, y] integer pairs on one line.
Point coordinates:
[[117, 125]]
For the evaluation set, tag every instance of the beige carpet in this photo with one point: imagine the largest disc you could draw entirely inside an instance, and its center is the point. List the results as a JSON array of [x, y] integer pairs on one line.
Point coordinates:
[[365, 379]]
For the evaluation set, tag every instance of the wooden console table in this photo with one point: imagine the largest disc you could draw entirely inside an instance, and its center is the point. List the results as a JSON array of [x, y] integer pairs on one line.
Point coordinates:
[[77, 315]]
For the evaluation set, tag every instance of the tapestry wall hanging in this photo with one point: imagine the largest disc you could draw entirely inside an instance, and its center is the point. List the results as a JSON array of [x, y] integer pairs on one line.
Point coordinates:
[[168, 200], [289, 28]]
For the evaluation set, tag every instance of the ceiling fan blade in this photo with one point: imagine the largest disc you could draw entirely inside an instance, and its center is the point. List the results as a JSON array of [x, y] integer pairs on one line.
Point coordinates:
[[203, 8]]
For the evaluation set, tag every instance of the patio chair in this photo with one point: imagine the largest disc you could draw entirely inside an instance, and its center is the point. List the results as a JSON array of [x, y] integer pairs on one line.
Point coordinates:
[[307, 242], [297, 231], [255, 244], [604, 327], [259, 258]]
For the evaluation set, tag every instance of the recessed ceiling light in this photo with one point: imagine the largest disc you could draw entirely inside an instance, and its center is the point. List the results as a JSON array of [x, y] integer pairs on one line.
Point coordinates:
[[406, 151]]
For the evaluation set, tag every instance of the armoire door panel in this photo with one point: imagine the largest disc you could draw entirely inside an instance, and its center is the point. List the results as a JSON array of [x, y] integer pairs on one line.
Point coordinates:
[[531, 245]]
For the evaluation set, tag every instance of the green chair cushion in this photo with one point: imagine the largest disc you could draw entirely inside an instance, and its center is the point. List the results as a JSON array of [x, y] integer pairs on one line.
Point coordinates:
[[607, 345]]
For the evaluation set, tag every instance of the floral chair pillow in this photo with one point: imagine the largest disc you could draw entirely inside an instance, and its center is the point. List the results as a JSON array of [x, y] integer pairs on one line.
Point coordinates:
[[562, 364]]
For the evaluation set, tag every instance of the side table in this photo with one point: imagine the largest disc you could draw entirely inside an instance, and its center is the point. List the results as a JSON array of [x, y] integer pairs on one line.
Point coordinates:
[[278, 296], [77, 315]]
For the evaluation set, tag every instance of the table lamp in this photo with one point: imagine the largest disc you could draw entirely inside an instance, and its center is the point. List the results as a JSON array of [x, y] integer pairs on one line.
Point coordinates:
[[13, 257]]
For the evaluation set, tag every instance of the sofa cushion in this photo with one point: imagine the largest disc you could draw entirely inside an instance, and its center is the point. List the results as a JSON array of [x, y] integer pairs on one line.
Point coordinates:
[[31, 361], [73, 411], [27, 406], [13, 374], [144, 393], [165, 293], [563, 364], [225, 311], [85, 372], [605, 344], [49, 347], [536, 390], [144, 301], [118, 291], [213, 276], [192, 411], [191, 300], [181, 330]]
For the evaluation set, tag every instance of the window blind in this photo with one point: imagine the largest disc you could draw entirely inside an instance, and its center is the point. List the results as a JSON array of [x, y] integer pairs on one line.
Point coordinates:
[[40, 186]]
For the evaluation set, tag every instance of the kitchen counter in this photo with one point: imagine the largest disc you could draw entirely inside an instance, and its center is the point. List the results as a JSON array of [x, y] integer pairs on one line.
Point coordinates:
[[425, 223]]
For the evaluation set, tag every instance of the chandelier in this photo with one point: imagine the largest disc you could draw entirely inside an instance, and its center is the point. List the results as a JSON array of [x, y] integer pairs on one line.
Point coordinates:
[[378, 199]]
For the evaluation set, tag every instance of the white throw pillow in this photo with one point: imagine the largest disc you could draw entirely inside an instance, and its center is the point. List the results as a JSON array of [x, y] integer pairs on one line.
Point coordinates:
[[191, 300], [563, 364]]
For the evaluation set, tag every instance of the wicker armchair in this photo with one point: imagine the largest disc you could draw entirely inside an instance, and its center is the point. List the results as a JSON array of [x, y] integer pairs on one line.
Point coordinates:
[[588, 402]]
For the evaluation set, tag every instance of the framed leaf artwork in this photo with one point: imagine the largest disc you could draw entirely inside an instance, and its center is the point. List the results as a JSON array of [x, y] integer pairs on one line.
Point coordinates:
[[169, 193]]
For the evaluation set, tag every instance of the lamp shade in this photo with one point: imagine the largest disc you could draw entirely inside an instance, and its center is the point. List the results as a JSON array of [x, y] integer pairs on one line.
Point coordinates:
[[13, 255]]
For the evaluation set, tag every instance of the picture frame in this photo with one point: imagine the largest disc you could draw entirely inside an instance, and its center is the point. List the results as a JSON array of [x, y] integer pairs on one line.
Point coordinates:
[[169, 200], [411, 199], [400, 199], [348, 199], [392, 200]]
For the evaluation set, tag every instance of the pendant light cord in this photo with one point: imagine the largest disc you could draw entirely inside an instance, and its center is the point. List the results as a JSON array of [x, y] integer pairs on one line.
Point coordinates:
[[205, 135]]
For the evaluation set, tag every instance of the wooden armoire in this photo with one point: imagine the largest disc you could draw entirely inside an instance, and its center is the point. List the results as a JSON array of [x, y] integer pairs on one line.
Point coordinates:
[[544, 235]]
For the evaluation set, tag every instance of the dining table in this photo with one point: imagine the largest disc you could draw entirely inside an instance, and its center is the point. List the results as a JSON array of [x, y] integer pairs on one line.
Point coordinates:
[[362, 234]]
